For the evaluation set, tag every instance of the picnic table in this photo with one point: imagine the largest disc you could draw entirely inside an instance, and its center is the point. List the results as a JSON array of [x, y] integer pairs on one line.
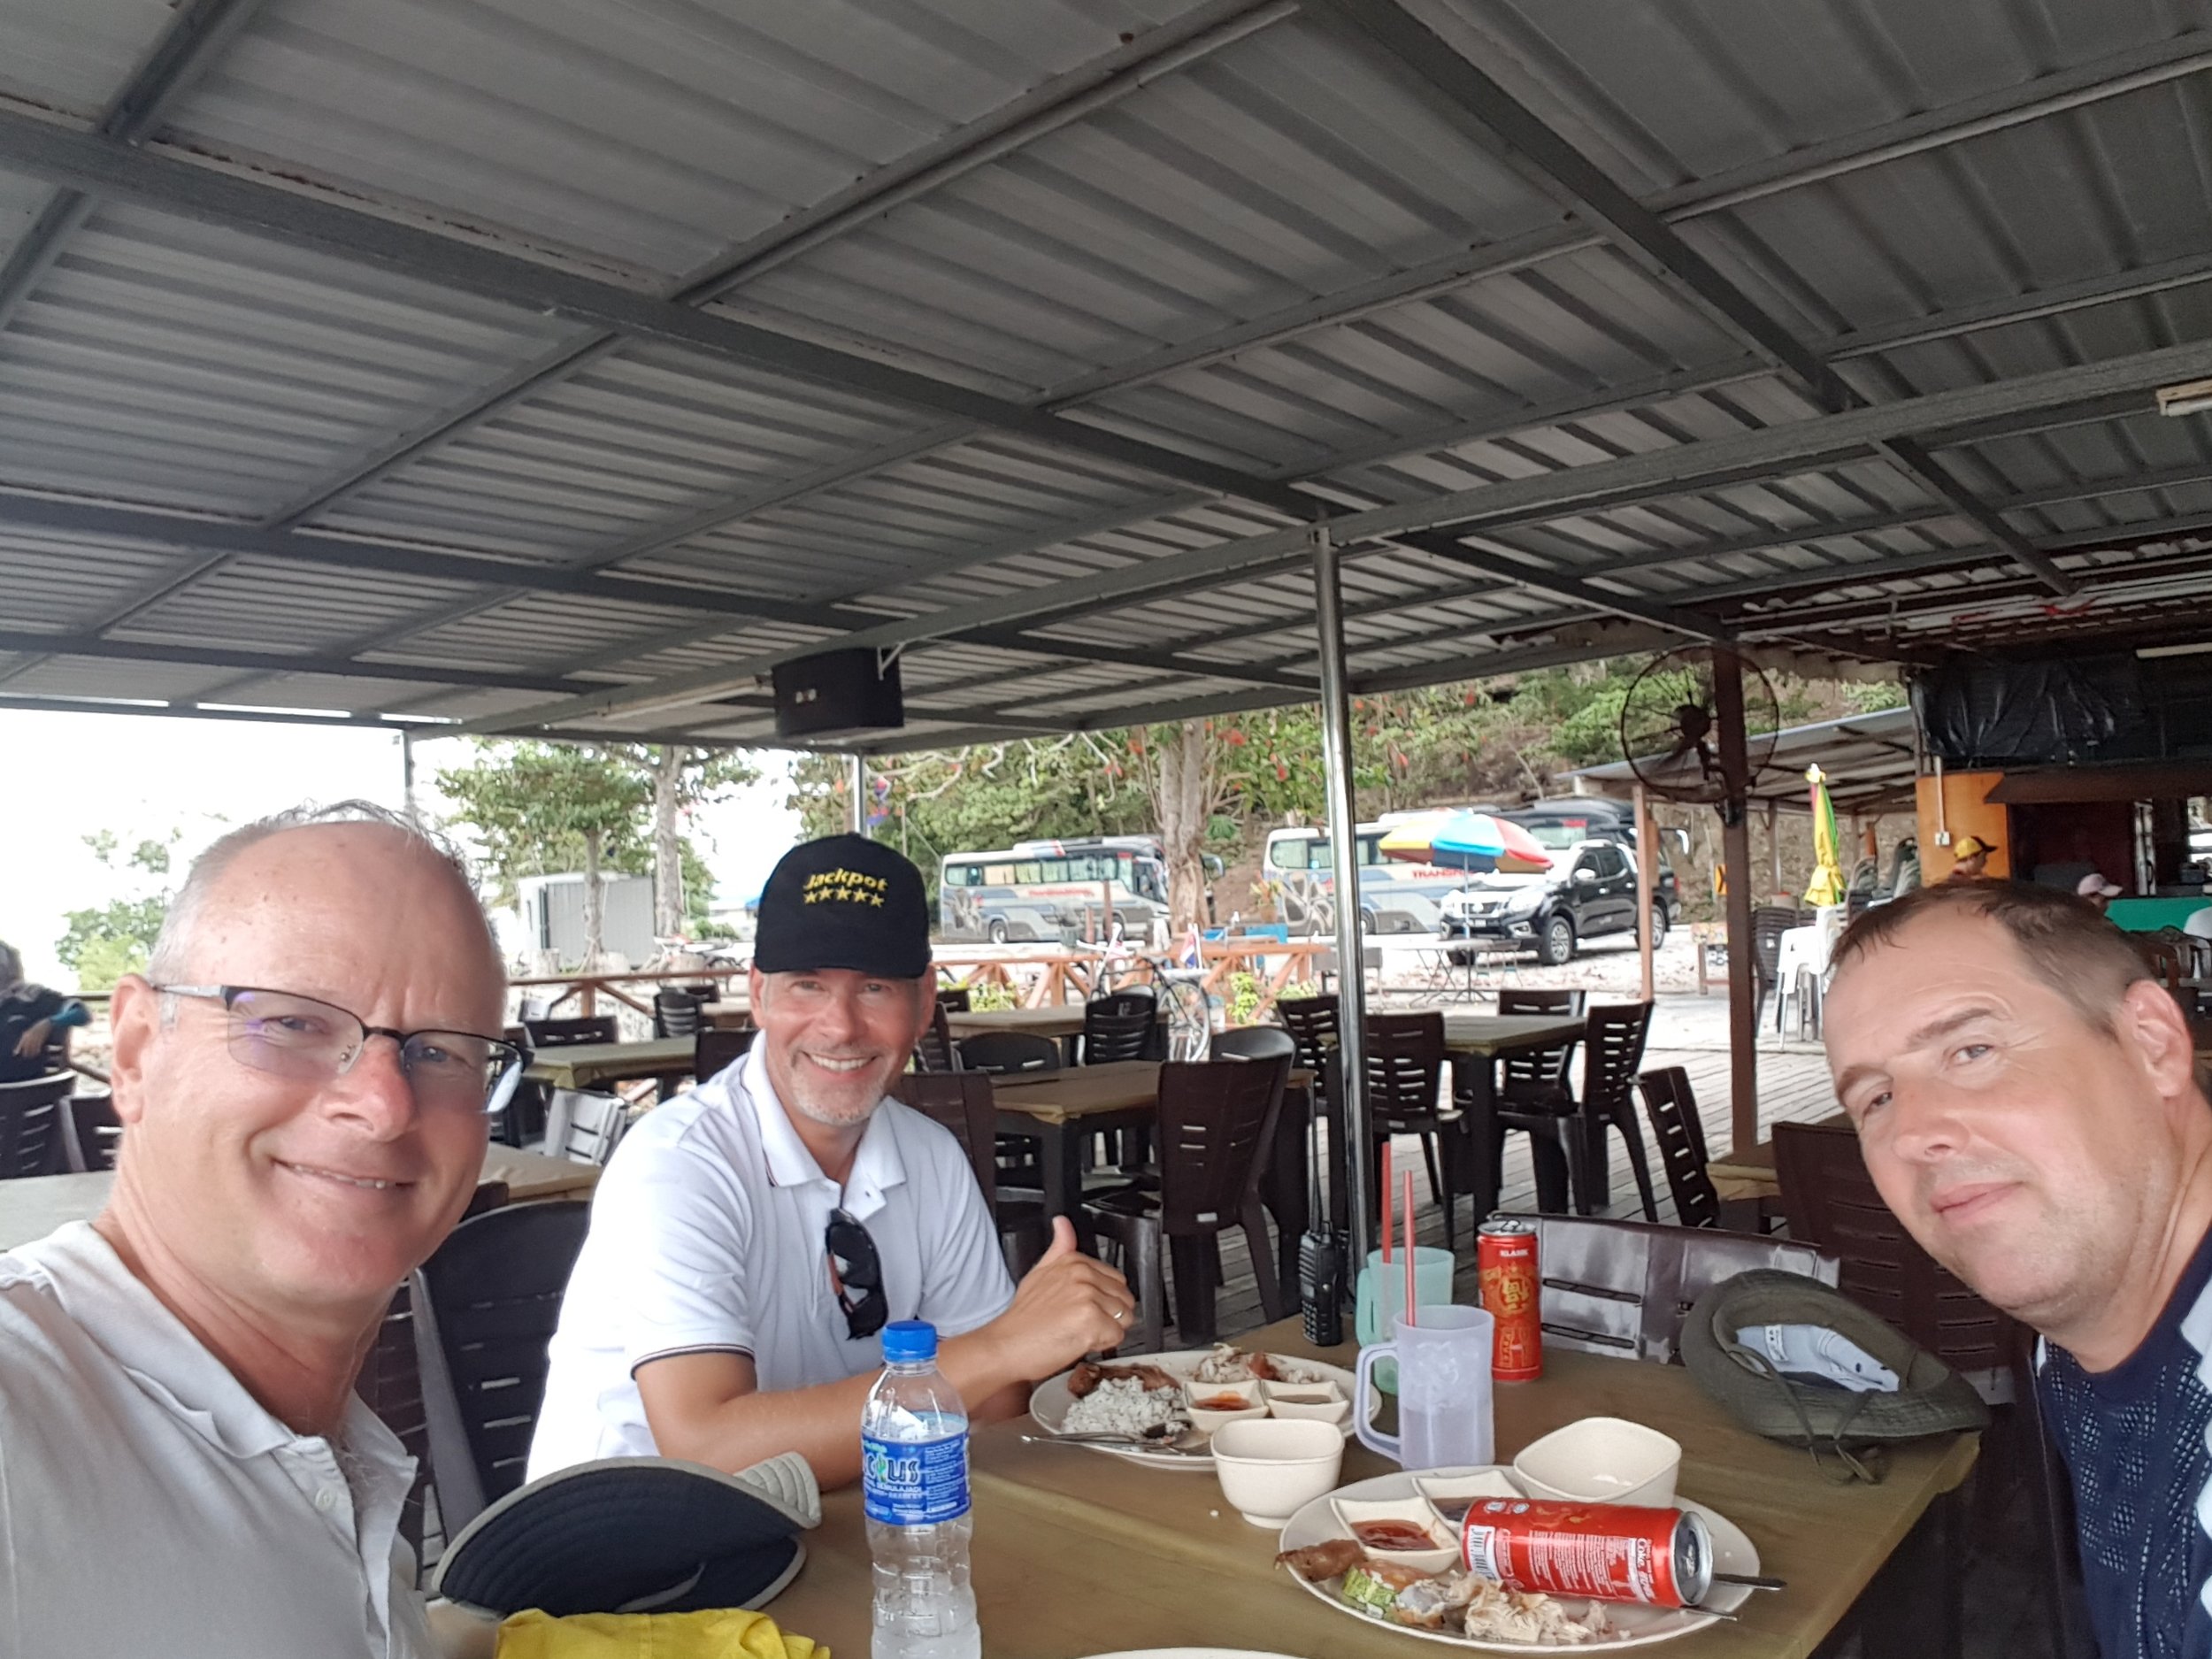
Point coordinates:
[[583, 1064], [1075, 1552], [34, 1207]]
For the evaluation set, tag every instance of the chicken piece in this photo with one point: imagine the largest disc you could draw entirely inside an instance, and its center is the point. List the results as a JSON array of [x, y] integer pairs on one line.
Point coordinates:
[[1318, 1562], [1226, 1363]]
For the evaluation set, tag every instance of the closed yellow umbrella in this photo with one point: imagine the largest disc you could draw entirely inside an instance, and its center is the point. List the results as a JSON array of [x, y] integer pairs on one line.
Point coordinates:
[[1827, 887]]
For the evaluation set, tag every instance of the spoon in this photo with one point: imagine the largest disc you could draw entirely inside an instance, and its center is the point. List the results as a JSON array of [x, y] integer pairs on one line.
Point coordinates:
[[1190, 1442]]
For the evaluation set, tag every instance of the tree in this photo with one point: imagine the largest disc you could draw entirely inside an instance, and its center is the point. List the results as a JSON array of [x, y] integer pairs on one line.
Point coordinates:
[[539, 809], [682, 778], [104, 944]]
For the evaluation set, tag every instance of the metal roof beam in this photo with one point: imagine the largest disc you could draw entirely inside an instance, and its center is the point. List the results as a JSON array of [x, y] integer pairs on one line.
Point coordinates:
[[1683, 469], [197, 34], [241, 202], [1556, 166], [266, 663]]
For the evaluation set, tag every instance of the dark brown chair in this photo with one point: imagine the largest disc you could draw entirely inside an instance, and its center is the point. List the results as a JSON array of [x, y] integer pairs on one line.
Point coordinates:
[[962, 1102], [1004, 1051], [1285, 1189], [485, 1307], [1679, 1134], [1315, 1027], [1125, 1025], [390, 1383], [1768, 923], [563, 1034], [954, 999], [715, 1049], [92, 1135], [936, 1052], [524, 1120], [1832, 1202], [32, 1115], [1405, 1063], [1545, 1068], [1612, 1048], [676, 1013], [1216, 1124]]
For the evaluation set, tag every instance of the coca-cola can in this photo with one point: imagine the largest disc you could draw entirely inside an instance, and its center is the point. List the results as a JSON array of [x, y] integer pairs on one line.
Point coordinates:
[[1505, 1257], [1612, 1552]]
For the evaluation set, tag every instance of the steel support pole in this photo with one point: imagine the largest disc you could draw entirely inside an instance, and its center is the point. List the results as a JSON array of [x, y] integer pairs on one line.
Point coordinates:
[[1647, 882], [407, 770], [1343, 822], [857, 787], [1743, 984]]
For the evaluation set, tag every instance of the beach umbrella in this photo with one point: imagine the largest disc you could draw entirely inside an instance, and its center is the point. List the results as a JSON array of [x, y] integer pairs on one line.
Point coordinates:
[[1466, 840], [1827, 887]]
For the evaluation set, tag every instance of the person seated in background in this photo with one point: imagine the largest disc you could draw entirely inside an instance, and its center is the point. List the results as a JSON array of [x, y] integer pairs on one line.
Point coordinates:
[[750, 1239], [2027, 1101], [29, 1016], [304, 1077]]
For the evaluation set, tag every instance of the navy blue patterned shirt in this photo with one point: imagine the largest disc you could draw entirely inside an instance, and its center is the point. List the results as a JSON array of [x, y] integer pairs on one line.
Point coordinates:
[[2133, 1438]]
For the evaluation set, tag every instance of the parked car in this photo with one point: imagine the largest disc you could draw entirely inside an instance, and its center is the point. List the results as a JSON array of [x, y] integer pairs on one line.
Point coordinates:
[[1589, 892]]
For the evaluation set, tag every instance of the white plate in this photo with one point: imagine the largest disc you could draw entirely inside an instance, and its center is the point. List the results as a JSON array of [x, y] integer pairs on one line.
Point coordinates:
[[1049, 1401], [1638, 1626], [1192, 1653]]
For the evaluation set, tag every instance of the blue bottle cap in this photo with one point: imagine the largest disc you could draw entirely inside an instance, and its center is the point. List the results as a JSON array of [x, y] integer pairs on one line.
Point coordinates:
[[906, 1341]]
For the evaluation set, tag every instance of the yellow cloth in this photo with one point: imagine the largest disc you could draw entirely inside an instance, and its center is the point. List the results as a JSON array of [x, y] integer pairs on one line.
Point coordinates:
[[720, 1633]]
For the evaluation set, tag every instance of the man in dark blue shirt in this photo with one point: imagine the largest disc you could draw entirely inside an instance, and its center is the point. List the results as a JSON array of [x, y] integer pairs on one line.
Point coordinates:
[[29, 1016], [2027, 1100]]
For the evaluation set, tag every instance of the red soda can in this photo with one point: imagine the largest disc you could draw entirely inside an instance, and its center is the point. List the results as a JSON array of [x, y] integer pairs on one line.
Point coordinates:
[[1613, 1552], [1505, 1258]]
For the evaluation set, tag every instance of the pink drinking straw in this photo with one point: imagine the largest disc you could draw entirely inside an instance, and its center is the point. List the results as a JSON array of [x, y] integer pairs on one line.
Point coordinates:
[[1408, 1210], [1389, 1191]]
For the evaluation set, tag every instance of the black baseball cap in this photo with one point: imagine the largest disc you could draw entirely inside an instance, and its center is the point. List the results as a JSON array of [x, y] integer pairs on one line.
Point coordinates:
[[843, 901]]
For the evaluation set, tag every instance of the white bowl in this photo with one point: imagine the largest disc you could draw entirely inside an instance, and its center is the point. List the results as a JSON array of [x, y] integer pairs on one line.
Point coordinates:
[[1253, 1404], [1321, 1402], [1601, 1460], [1272, 1467]]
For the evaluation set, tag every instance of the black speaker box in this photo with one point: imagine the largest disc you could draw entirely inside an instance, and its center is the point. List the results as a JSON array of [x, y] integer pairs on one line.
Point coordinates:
[[838, 693]]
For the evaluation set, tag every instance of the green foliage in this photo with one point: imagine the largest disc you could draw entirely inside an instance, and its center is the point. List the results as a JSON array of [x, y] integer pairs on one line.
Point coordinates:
[[531, 805], [103, 945], [989, 999], [1867, 696]]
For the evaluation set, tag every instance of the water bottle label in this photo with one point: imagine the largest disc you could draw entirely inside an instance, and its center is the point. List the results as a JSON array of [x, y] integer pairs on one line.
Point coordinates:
[[914, 1483]]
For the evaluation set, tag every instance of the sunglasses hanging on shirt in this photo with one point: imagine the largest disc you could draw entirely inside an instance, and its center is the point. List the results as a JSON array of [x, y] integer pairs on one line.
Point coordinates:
[[857, 1275]]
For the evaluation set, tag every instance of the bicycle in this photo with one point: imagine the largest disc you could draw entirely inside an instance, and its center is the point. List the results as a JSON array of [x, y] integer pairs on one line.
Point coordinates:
[[1181, 993]]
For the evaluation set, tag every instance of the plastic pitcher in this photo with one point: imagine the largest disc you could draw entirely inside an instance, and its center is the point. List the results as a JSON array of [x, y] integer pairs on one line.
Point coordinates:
[[1444, 1416], [1380, 1296]]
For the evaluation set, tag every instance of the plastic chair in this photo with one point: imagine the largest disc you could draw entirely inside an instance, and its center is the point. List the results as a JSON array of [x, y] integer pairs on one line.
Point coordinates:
[[1535, 1081], [485, 1307], [1678, 1133], [1004, 1051], [936, 1052], [1768, 923], [715, 1050], [1832, 1201], [1216, 1125], [677, 1014], [1613, 1046], [1253, 1043], [1125, 1025], [584, 1126], [563, 1034], [1315, 1025], [31, 1113], [93, 1134], [962, 1102], [1624, 1287], [1405, 1063]]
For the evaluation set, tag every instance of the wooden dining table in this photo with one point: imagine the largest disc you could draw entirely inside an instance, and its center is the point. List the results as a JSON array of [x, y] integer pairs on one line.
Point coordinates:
[[584, 1064], [1075, 1553], [1060, 1109], [34, 1207], [1750, 1174]]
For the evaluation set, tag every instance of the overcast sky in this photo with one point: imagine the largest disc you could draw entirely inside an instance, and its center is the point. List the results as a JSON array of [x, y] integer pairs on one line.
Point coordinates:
[[72, 775]]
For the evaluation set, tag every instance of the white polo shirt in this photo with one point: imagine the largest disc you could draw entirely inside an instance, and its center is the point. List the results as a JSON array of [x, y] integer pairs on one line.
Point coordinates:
[[149, 1505], [707, 1235]]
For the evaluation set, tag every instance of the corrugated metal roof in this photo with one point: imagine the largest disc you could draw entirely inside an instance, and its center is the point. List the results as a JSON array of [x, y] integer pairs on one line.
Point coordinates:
[[1095, 296]]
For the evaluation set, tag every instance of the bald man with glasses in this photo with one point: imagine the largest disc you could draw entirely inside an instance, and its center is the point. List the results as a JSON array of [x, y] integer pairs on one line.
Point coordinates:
[[306, 1077]]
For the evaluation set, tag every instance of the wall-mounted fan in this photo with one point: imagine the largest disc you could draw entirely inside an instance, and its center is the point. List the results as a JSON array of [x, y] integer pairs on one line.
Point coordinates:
[[1670, 729]]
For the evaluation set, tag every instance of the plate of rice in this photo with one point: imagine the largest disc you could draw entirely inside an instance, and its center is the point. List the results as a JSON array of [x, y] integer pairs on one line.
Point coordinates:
[[1129, 1396]]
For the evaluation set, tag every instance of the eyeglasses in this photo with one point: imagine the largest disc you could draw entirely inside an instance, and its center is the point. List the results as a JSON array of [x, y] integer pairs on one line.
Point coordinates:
[[854, 1267], [287, 1035]]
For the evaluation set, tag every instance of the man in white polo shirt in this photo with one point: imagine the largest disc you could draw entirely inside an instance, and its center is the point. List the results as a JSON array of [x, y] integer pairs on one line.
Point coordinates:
[[304, 1078], [750, 1239]]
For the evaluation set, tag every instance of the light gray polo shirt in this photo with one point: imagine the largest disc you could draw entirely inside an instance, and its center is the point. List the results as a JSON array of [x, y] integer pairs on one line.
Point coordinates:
[[707, 1236], [149, 1505]]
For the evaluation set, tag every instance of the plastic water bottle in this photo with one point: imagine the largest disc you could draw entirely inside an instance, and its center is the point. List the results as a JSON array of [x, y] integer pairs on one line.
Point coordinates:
[[914, 1480]]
